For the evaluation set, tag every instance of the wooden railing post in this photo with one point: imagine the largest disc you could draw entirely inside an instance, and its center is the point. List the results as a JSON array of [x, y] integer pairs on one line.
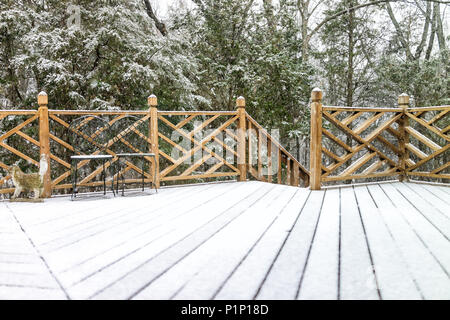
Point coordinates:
[[242, 165], [44, 142], [316, 139], [154, 136], [403, 102], [296, 177]]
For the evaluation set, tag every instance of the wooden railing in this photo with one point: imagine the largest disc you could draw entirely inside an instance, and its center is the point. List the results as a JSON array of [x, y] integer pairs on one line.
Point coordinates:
[[21, 127], [251, 152], [61, 147], [281, 167], [347, 144], [363, 143]]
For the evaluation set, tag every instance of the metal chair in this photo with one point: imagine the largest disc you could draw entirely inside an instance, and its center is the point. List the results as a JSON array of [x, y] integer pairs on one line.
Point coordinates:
[[131, 142], [89, 136]]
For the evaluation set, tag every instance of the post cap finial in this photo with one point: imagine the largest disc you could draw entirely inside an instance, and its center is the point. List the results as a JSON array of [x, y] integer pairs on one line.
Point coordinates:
[[152, 100], [240, 102], [403, 99], [316, 94], [42, 98]]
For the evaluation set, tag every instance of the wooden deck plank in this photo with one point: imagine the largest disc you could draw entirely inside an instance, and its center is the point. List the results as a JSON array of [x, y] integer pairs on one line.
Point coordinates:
[[80, 208], [17, 247], [201, 286], [200, 274], [27, 293], [432, 196], [433, 236], [126, 277], [253, 269], [444, 189], [21, 266], [32, 280], [78, 216], [426, 207], [283, 279], [112, 217], [394, 281], [54, 210], [101, 248], [357, 281], [19, 258], [167, 291], [231, 208], [246, 240], [436, 195], [440, 191], [320, 279], [433, 282], [129, 242]]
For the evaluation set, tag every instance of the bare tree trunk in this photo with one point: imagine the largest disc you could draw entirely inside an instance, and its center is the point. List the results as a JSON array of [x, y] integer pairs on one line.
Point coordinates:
[[440, 30], [428, 19], [351, 48], [268, 9], [433, 32], [400, 35], [159, 25], [303, 8]]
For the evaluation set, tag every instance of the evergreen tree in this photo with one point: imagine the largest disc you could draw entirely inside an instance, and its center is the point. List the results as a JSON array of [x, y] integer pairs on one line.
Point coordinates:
[[92, 55]]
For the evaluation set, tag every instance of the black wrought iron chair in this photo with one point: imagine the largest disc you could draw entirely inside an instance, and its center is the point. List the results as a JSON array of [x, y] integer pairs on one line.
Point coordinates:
[[131, 143], [89, 136]]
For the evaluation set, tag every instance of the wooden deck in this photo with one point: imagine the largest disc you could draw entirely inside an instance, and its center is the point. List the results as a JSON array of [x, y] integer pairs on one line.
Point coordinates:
[[242, 240]]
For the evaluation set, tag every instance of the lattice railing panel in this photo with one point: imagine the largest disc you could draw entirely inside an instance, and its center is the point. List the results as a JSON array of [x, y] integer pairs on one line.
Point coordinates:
[[124, 138], [197, 145], [346, 144], [19, 144], [428, 153], [359, 143]]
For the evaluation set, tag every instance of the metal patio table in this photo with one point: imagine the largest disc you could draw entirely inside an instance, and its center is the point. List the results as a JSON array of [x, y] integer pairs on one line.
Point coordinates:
[[78, 158], [136, 155]]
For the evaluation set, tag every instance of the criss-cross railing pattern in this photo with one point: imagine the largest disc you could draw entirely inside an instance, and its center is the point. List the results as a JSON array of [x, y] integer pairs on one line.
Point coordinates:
[[189, 146], [61, 146], [427, 147], [197, 146], [19, 142], [349, 143], [359, 143], [207, 147]]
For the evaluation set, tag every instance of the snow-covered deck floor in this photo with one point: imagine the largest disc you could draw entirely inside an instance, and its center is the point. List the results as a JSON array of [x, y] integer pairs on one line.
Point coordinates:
[[231, 241]]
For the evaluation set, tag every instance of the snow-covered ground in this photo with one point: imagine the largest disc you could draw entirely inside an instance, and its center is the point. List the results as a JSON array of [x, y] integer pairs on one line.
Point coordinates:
[[240, 240]]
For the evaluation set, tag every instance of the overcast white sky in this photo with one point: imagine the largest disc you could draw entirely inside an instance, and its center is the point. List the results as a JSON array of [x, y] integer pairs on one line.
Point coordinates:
[[161, 8]]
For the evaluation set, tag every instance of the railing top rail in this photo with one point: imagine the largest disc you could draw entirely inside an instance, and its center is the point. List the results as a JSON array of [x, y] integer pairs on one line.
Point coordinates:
[[136, 112], [383, 109], [434, 108], [162, 112], [367, 109], [98, 112], [167, 113], [17, 112]]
